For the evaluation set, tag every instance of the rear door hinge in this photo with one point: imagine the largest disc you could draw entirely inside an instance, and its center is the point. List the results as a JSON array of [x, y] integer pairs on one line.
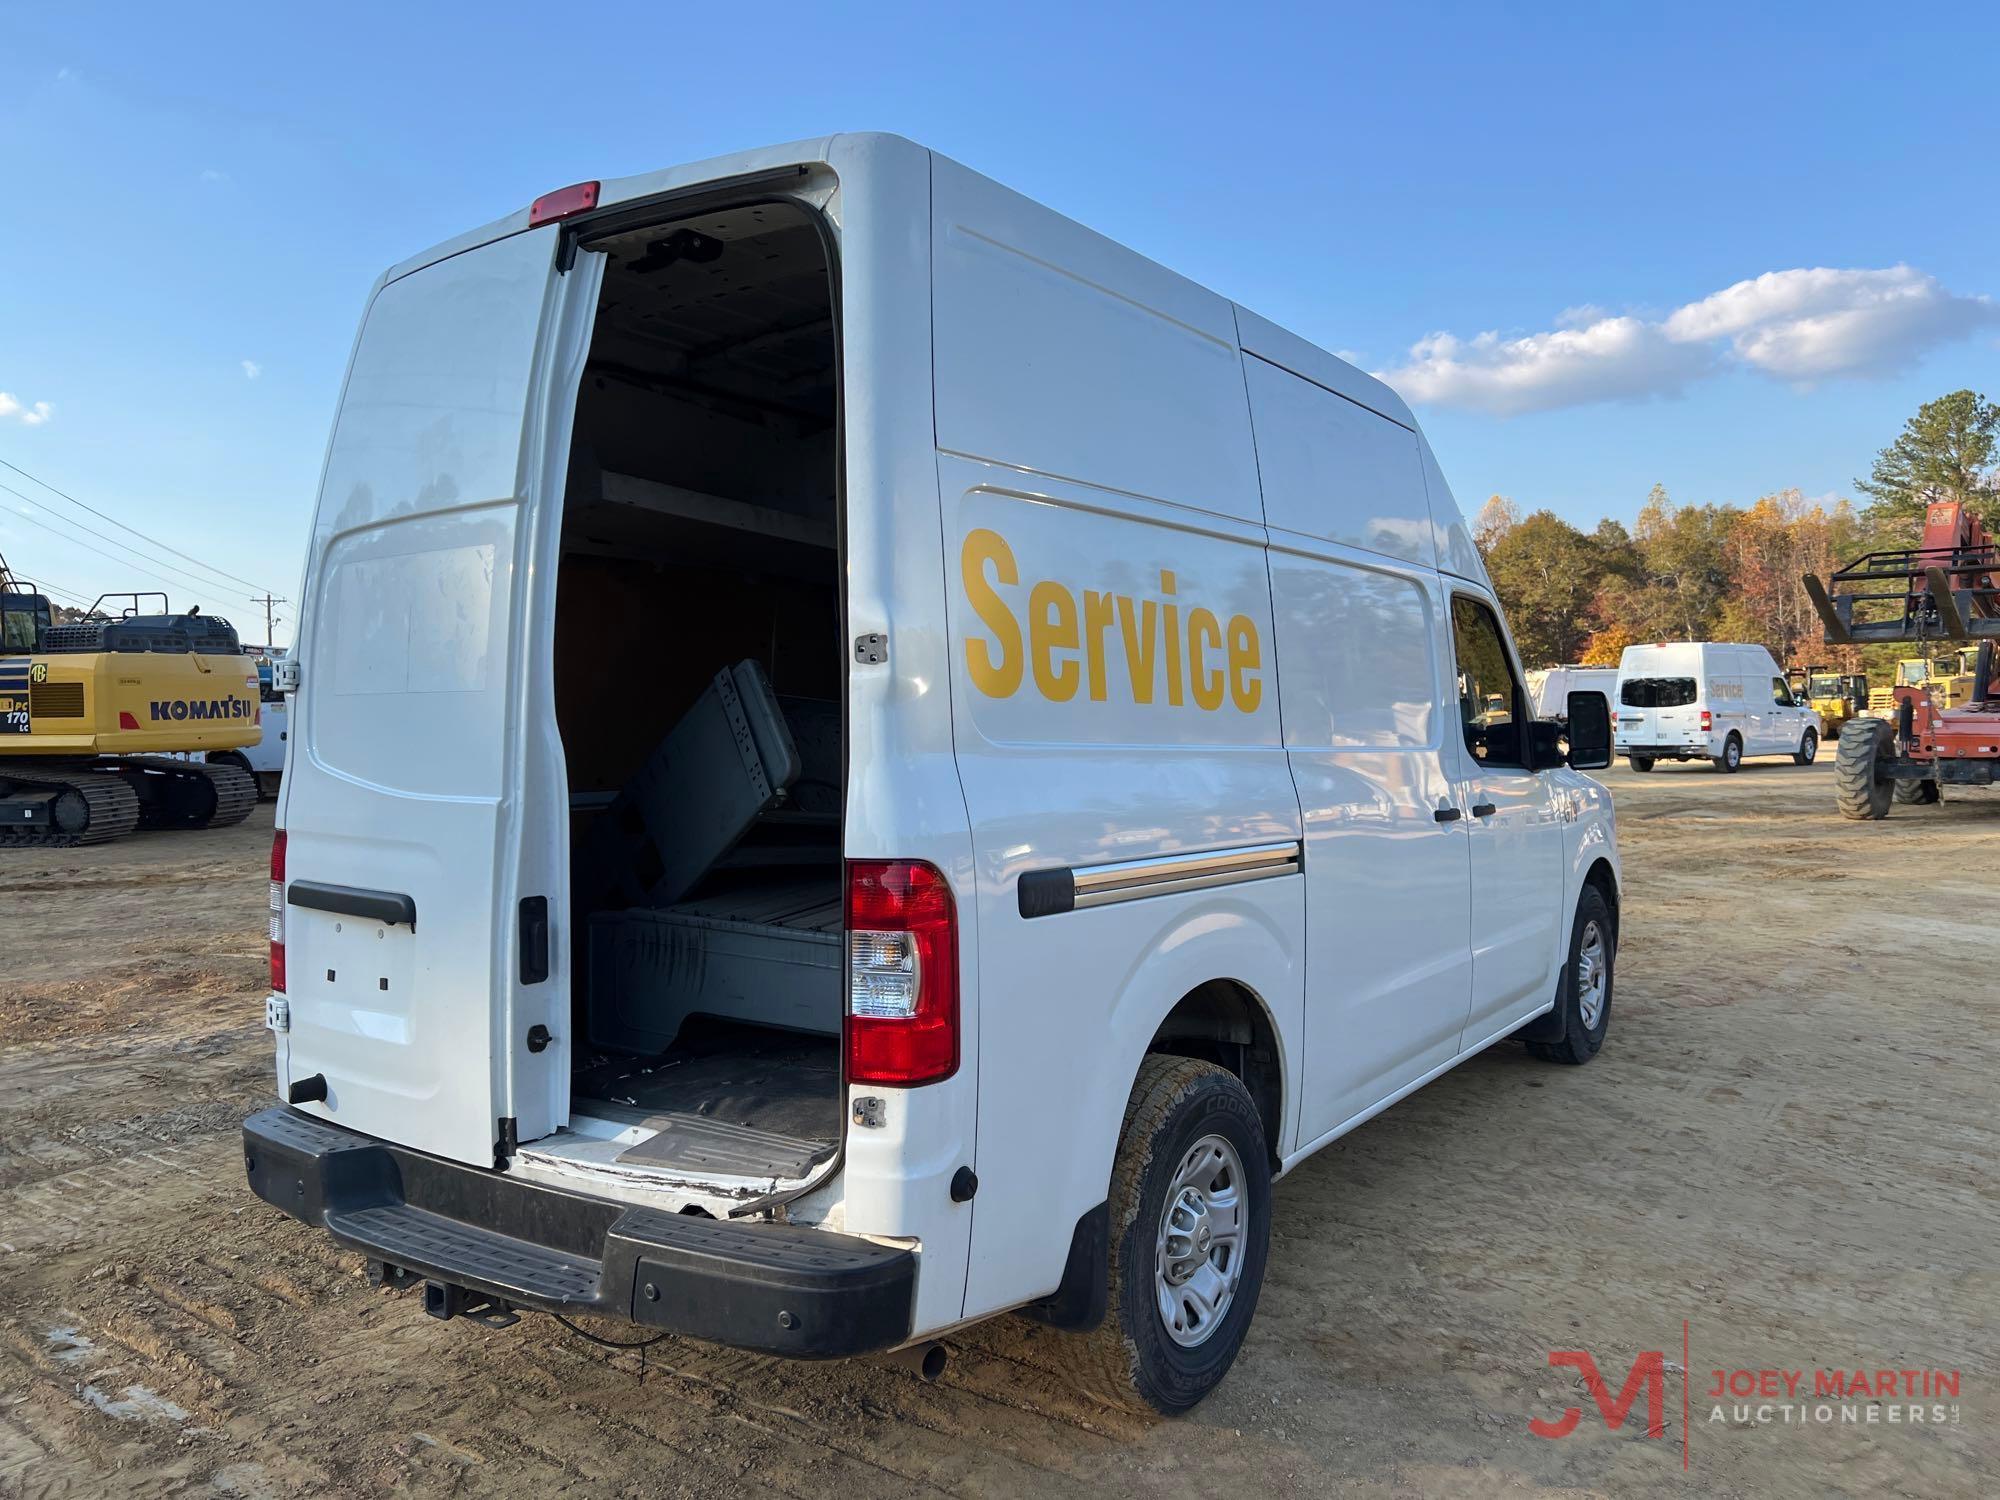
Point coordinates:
[[285, 674], [277, 1013]]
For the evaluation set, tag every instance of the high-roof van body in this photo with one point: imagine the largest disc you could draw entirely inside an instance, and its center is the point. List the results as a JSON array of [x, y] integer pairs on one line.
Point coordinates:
[[864, 756], [1708, 700]]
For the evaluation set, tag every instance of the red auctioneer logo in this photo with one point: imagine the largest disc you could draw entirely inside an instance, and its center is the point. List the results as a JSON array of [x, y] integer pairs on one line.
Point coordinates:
[[1649, 1373]]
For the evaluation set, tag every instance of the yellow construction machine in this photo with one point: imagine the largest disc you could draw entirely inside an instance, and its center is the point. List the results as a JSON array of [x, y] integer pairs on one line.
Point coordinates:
[[1949, 679], [1835, 696], [96, 715]]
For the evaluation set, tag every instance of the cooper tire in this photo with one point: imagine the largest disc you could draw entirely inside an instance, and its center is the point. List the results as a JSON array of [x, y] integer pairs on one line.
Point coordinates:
[[1640, 763], [1583, 997], [1131, 1360], [1732, 755], [1808, 750], [1859, 793]]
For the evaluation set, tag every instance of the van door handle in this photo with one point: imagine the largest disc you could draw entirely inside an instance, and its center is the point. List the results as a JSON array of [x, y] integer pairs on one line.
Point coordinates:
[[1447, 815], [1483, 809]]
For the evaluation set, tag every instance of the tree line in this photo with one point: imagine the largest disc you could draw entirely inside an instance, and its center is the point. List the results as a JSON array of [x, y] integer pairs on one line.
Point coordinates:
[[1724, 572]]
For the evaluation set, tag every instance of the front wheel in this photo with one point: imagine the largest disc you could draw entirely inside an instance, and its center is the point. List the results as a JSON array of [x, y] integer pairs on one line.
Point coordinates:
[[1860, 794], [1190, 1228], [1575, 1032], [1808, 750], [1732, 754]]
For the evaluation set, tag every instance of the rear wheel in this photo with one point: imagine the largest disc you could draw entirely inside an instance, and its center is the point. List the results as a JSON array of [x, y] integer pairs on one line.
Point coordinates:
[[1190, 1227], [1917, 793], [1808, 750], [1640, 762], [1732, 754], [1862, 795]]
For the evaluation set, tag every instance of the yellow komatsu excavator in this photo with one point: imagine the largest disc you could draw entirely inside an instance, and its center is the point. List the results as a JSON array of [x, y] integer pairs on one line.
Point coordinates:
[[94, 715]]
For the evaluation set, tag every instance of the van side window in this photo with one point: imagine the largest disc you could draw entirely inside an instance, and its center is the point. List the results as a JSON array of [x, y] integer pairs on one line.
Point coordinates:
[[1781, 692], [1489, 696]]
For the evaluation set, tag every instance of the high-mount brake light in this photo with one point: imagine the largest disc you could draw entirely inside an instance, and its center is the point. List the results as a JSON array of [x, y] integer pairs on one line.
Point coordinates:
[[563, 203], [278, 911], [902, 973]]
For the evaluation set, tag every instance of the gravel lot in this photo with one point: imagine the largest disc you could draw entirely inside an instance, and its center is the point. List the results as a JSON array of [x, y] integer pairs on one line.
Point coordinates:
[[1789, 1145]]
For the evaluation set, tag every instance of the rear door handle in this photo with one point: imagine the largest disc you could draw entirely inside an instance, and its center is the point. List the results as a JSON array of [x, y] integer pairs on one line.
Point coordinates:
[[354, 901], [1447, 815], [1483, 809]]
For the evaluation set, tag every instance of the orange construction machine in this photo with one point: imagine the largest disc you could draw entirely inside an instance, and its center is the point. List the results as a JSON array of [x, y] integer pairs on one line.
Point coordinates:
[[1946, 589]]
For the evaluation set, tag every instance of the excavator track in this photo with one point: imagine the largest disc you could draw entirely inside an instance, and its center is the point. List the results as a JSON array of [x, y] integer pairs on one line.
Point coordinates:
[[188, 793], [91, 807]]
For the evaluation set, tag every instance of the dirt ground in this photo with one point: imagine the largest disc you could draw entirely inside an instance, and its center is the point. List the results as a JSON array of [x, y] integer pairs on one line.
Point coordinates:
[[1788, 1144]]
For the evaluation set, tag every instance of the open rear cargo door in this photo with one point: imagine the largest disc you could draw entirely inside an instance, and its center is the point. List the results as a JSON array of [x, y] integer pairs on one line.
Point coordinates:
[[426, 792]]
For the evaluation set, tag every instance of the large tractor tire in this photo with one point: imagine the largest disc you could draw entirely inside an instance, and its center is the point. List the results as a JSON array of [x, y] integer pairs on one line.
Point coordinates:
[[1916, 793], [1862, 794]]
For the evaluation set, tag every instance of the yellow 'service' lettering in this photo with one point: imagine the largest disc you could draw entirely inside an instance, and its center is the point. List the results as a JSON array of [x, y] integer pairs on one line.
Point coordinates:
[[1065, 645], [1052, 628], [1246, 657], [999, 679]]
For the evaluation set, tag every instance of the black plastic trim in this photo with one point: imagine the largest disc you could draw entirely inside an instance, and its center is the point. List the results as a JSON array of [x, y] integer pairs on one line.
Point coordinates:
[[1044, 893], [1080, 1302], [534, 939], [775, 1288], [354, 901]]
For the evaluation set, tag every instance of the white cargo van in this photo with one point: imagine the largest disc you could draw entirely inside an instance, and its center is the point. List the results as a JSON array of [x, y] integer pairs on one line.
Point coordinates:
[[1549, 687], [1708, 700], [865, 757]]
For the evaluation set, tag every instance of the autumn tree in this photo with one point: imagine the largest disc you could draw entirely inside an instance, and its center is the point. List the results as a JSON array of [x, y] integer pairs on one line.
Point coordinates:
[[1947, 451], [1684, 569], [1496, 518], [1546, 573], [1771, 547], [1606, 646]]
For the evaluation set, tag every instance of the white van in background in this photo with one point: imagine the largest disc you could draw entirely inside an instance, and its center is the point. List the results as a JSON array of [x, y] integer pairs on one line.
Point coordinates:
[[789, 836], [1708, 700], [1549, 687]]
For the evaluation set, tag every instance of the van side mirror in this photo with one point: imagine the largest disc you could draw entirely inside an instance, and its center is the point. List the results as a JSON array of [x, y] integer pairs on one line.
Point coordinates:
[[1589, 731]]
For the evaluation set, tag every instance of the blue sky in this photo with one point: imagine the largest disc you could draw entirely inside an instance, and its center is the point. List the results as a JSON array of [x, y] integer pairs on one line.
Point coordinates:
[[192, 188]]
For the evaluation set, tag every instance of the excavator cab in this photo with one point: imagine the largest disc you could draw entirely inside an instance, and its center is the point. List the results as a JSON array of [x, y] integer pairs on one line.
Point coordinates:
[[24, 619]]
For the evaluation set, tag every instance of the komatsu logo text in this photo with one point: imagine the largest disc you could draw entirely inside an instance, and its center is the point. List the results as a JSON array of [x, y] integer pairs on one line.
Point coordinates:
[[1166, 655], [201, 708]]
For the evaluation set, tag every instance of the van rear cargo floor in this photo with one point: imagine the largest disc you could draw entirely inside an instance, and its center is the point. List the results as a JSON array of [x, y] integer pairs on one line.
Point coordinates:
[[727, 1100]]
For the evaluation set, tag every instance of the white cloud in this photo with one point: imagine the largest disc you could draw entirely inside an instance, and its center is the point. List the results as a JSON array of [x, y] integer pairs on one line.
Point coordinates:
[[251, 369], [1808, 324], [1610, 359], [211, 174], [28, 414], [1798, 325]]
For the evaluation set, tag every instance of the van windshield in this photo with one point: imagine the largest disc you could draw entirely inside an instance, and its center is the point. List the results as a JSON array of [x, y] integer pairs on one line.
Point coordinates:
[[1656, 692]]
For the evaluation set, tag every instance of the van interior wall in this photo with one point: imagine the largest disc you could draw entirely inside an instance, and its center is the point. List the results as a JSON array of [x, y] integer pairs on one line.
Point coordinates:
[[699, 674]]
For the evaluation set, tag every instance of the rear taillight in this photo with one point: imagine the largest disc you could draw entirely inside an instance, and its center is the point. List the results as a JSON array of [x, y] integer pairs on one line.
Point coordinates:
[[563, 203], [1707, 721], [902, 973], [278, 911]]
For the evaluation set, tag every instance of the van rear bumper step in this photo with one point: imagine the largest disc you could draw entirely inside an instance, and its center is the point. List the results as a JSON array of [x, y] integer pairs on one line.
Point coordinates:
[[775, 1288]]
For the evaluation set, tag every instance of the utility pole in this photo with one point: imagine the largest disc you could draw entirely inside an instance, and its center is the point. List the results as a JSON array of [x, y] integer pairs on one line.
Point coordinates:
[[270, 603]]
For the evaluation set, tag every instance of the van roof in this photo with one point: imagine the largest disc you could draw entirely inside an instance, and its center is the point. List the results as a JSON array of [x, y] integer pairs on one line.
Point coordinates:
[[1256, 334]]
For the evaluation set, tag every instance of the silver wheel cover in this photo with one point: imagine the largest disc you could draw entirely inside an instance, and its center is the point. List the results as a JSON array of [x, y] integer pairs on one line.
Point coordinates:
[[1198, 1253]]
